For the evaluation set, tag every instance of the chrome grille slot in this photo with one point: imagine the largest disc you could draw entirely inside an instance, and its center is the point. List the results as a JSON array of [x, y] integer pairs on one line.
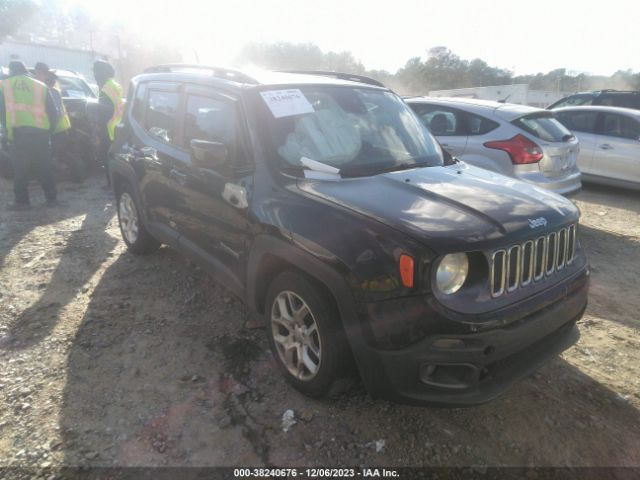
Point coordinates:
[[552, 252], [520, 265], [498, 272], [562, 249], [571, 244], [540, 258], [528, 263], [513, 268]]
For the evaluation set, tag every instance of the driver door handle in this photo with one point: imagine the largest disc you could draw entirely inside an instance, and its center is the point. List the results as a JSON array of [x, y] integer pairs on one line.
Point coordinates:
[[606, 146]]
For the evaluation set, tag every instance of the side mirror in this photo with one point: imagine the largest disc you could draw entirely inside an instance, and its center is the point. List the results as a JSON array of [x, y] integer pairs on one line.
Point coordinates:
[[208, 154]]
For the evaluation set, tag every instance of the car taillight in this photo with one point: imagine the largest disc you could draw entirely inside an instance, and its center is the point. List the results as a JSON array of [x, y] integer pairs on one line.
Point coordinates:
[[520, 149]]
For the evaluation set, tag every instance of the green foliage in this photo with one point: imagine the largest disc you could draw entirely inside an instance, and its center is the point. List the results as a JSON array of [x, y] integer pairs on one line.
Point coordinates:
[[13, 13]]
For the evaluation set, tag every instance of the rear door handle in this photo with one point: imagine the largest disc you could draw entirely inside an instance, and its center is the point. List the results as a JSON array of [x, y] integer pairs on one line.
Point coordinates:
[[606, 146], [178, 176]]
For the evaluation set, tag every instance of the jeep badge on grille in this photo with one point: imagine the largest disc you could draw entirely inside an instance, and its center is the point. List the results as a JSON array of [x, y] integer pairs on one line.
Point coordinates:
[[537, 222]]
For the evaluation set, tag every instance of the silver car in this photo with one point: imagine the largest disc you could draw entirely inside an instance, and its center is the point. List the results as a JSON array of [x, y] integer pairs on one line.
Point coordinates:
[[609, 143], [522, 142]]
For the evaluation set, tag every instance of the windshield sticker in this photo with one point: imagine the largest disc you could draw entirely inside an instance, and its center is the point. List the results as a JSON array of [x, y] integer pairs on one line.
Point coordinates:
[[286, 103]]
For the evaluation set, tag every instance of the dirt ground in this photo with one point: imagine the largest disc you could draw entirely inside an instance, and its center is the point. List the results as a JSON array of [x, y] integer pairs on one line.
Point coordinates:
[[111, 359]]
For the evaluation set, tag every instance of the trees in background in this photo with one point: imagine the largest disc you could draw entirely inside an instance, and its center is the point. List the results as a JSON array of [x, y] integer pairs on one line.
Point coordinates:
[[441, 69], [14, 13]]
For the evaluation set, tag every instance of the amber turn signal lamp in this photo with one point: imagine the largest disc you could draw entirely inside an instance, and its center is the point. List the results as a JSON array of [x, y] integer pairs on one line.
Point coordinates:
[[406, 270]]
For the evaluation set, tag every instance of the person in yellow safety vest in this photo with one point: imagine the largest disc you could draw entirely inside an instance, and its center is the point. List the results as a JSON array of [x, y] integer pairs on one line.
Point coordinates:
[[61, 144], [111, 109], [28, 112], [42, 72]]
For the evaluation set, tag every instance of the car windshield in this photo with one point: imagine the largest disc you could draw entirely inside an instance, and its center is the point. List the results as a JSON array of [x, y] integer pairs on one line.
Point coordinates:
[[74, 87], [360, 131]]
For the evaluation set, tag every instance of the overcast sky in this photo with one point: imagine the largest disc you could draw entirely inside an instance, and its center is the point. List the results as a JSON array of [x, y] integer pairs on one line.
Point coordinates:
[[527, 37]]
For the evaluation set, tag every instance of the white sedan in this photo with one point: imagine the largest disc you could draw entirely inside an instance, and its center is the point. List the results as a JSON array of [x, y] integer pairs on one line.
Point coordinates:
[[609, 143]]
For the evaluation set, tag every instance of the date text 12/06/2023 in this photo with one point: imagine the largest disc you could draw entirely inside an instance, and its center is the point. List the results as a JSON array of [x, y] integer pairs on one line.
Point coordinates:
[[315, 473]]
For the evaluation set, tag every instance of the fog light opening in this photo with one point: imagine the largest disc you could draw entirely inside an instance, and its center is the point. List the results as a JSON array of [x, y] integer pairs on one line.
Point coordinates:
[[489, 350]]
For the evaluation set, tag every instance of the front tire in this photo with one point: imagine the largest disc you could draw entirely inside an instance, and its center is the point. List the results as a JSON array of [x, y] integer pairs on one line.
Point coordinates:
[[134, 233], [305, 334]]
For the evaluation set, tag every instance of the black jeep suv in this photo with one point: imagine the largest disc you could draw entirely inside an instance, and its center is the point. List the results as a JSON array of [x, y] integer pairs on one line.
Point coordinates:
[[327, 206]]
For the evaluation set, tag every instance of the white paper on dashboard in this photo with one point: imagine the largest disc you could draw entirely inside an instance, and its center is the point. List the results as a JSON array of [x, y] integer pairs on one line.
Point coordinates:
[[314, 175], [285, 103], [318, 166]]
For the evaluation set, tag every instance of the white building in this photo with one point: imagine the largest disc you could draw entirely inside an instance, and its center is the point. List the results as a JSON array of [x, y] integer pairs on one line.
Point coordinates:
[[518, 93], [80, 61]]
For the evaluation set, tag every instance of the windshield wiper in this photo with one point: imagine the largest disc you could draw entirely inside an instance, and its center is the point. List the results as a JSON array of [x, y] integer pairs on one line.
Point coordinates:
[[373, 169], [405, 166]]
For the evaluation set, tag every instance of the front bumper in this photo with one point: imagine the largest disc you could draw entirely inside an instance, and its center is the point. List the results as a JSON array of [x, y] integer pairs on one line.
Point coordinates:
[[462, 369]]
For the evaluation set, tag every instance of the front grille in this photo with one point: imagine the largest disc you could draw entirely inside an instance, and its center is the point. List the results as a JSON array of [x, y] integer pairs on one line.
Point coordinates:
[[530, 262]]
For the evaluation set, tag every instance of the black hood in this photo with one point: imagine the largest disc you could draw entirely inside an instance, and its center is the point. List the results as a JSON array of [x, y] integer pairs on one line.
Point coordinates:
[[454, 208]]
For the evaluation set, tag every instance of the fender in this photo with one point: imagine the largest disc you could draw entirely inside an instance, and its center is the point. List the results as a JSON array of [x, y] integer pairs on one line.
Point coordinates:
[[287, 251], [124, 170]]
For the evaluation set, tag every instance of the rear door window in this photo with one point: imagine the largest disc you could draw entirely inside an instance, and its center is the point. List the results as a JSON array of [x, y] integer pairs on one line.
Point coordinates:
[[543, 126], [161, 115], [614, 125], [578, 121]]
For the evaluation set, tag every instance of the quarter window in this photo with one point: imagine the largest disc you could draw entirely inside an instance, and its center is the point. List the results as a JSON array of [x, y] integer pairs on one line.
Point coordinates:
[[478, 125], [161, 113]]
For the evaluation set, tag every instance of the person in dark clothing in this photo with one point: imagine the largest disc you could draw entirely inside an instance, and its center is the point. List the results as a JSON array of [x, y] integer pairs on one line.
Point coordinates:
[[28, 114], [109, 111]]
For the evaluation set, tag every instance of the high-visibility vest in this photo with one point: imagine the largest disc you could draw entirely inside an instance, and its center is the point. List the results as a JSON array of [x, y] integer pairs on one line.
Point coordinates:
[[113, 90], [64, 122], [25, 103]]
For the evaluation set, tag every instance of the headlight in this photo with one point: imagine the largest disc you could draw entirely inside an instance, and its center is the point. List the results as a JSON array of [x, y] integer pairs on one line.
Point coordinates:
[[452, 272]]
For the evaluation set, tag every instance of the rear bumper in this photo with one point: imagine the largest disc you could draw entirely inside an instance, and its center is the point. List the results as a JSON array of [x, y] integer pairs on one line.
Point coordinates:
[[473, 368], [566, 185]]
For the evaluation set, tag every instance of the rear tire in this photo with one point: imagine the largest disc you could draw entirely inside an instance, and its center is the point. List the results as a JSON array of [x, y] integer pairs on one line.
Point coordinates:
[[134, 233], [305, 334]]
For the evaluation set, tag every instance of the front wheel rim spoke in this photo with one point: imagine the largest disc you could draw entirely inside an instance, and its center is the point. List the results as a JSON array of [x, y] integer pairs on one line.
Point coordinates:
[[291, 313], [308, 362]]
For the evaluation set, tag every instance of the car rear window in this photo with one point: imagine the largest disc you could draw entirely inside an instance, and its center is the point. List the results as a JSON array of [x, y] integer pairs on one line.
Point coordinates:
[[543, 126]]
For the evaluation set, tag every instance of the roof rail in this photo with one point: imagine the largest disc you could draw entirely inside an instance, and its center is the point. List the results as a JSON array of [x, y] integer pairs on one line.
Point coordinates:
[[220, 72], [340, 75], [618, 91]]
